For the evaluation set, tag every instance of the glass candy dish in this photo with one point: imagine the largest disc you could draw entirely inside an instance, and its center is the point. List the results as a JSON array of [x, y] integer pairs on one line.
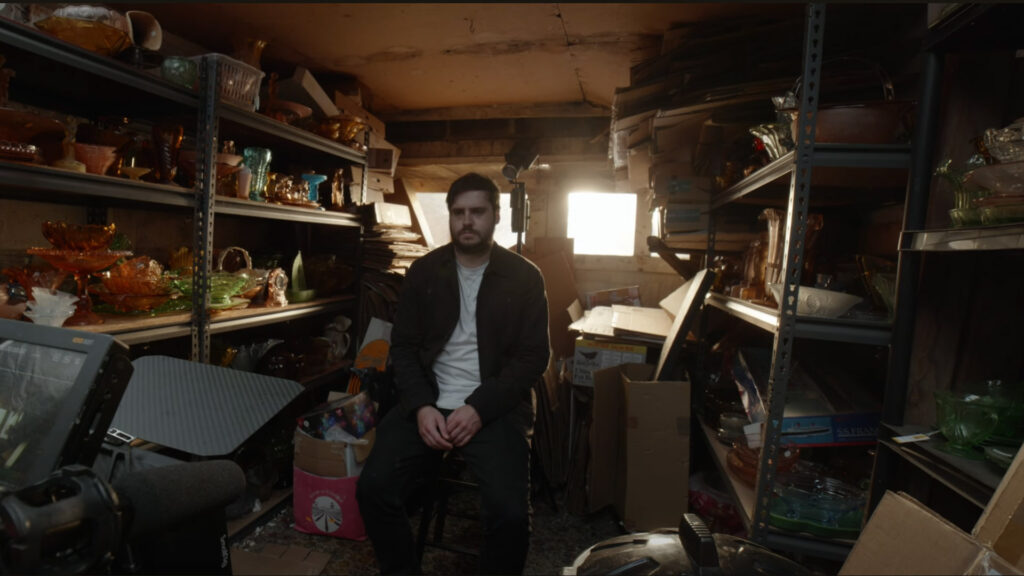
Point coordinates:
[[78, 237], [81, 264], [965, 419], [141, 276], [136, 285]]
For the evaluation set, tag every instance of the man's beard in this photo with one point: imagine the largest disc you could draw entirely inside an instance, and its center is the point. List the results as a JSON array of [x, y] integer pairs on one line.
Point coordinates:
[[484, 245]]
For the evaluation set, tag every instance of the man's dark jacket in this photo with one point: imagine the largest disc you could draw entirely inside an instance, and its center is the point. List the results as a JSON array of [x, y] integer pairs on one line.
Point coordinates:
[[512, 330]]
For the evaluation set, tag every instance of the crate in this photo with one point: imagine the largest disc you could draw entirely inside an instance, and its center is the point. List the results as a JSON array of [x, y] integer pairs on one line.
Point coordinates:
[[237, 82]]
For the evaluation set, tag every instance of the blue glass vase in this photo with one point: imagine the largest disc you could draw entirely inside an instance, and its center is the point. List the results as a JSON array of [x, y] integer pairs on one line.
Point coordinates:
[[258, 161]]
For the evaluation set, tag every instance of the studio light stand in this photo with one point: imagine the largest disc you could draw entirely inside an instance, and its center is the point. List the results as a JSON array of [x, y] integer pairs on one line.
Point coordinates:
[[520, 213], [520, 158]]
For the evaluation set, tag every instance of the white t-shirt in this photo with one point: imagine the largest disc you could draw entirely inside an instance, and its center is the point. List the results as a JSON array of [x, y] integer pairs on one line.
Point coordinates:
[[457, 367]]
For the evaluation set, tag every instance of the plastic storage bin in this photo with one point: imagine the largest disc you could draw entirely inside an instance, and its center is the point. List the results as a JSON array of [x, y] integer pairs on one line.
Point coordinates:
[[237, 82]]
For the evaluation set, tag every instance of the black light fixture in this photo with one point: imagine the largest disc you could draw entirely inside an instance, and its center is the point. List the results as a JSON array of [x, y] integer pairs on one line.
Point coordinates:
[[519, 159]]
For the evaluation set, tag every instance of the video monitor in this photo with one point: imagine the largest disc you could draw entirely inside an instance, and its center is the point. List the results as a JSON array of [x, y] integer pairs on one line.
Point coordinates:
[[59, 389]]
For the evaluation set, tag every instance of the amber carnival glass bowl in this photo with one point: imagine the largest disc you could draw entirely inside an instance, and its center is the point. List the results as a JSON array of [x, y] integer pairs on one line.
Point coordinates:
[[78, 237]]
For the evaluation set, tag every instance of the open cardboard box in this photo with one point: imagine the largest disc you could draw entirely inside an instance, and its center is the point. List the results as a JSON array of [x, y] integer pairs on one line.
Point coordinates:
[[905, 537], [640, 446], [1001, 526]]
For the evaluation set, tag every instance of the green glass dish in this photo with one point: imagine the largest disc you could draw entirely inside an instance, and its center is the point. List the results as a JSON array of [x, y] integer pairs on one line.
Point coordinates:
[[223, 286], [965, 419]]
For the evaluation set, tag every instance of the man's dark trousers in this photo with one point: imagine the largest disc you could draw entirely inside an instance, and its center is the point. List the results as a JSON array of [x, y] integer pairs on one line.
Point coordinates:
[[499, 457]]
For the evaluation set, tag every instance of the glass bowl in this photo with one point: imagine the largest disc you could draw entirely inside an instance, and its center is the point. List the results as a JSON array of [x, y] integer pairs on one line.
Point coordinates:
[[131, 302], [807, 499], [966, 420], [138, 276], [28, 278], [94, 35], [78, 237], [223, 287], [226, 164], [97, 159], [743, 461], [965, 217], [1006, 144], [1007, 397], [1005, 214], [1005, 178]]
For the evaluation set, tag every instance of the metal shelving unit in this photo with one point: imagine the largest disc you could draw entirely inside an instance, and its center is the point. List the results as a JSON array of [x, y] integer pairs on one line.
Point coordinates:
[[968, 28], [175, 325], [974, 480], [1005, 237], [45, 59], [52, 184], [812, 174], [51, 48], [259, 125], [248, 208], [833, 330], [841, 166]]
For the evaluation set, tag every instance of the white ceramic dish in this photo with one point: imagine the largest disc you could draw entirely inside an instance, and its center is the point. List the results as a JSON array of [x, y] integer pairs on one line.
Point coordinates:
[[819, 302]]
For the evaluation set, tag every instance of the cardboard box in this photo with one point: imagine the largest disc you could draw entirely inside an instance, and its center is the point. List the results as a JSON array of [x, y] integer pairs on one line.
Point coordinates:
[[326, 506], [332, 458], [678, 133], [380, 182], [808, 417], [355, 415], [276, 559], [680, 218], [350, 107], [628, 295], [641, 323], [640, 446], [382, 155], [639, 168], [1001, 525], [303, 88], [904, 537], [591, 355]]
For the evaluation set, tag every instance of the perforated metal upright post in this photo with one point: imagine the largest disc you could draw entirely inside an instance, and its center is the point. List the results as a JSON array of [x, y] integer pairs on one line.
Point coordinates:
[[366, 167], [202, 235], [793, 257]]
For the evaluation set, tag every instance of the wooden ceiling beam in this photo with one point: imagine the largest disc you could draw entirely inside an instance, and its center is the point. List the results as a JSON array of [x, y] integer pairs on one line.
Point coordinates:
[[551, 110], [494, 150]]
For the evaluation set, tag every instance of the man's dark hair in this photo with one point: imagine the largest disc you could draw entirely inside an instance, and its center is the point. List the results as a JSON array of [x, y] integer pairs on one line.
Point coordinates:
[[473, 181]]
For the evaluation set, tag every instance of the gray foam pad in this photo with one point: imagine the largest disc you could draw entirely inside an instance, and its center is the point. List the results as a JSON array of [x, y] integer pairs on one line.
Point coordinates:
[[199, 408]]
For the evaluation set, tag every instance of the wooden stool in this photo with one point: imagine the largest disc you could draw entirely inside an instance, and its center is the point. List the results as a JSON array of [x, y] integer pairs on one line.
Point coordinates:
[[435, 506]]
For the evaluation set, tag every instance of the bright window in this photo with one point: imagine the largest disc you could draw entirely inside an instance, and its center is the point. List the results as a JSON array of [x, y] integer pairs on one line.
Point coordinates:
[[602, 223], [435, 210]]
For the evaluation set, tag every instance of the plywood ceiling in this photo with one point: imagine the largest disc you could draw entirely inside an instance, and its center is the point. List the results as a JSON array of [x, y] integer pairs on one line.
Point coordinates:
[[416, 57]]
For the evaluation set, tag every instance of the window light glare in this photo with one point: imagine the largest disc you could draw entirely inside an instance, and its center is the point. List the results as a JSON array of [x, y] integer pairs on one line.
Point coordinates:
[[602, 223]]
